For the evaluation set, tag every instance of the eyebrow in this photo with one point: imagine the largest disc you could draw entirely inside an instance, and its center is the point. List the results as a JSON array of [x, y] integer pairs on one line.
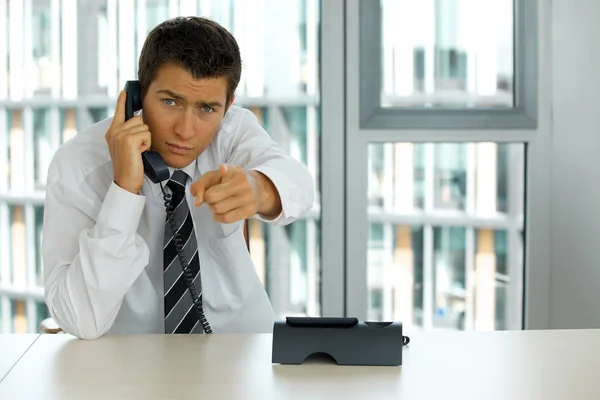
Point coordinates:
[[212, 104]]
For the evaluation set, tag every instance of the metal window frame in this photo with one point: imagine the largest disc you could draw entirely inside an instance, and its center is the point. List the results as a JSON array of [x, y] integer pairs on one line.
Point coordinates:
[[530, 125], [332, 160], [523, 115]]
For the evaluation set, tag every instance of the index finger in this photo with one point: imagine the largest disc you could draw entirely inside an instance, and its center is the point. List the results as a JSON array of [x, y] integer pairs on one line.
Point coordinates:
[[206, 181], [119, 117]]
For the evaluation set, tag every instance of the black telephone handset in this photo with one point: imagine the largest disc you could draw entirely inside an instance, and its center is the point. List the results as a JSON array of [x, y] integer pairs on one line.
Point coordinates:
[[157, 171], [155, 167]]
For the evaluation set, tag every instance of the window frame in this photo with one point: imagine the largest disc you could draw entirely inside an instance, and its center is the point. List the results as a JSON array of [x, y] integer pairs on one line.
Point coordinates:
[[426, 127], [523, 114]]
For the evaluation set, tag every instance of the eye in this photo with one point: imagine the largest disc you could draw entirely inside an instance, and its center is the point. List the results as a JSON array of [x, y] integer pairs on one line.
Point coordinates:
[[207, 109], [169, 102]]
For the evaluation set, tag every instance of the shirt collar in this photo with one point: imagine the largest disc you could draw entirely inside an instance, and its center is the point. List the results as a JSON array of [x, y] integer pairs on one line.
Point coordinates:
[[190, 170]]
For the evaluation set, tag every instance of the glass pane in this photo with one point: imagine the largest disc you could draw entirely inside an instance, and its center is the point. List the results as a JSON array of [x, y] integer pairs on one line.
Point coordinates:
[[19, 316], [502, 166], [447, 53], [38, 223], [450, 176], [5, 245], [156, 12], [395, 273], [12, 240], [386, 172], [433, 262], [17, 250], [449, 277], [68, 124], [41, 313], [286, 259], [44, 145], [9, 117], [98, 114], [16, 151], [500, 307], [491, 267], [41, 41], [493, 242]]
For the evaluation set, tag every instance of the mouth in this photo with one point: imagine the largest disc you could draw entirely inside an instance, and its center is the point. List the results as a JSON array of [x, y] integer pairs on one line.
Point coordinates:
[[177, 149]]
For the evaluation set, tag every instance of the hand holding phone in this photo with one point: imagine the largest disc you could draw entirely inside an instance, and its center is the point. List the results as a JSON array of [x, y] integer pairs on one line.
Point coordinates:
[[126, 141]]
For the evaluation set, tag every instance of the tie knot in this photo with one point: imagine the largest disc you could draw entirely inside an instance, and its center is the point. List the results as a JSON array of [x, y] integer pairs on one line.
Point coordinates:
[[179, 177], [177, 184]]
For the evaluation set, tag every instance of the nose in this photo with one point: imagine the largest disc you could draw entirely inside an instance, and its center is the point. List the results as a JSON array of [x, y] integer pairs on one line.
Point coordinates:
[[184, 128]]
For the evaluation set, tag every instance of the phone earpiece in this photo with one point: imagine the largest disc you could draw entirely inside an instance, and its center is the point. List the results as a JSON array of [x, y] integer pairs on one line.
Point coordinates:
[[133, 102], [155, 167]]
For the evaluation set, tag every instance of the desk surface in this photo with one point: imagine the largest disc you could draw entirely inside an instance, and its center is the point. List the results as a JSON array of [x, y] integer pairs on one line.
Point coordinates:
[[528, 365], [12, 347]]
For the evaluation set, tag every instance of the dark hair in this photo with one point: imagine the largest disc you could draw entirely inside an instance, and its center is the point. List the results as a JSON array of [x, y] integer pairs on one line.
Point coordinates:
[[199, 45]]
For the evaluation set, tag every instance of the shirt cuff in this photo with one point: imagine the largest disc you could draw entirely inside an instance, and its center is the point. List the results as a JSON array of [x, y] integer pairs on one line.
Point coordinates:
[[121, 209], [283, 188], [271, 221]]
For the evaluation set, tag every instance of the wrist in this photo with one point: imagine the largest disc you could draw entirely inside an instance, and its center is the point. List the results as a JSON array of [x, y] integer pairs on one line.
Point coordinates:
[[130, 188], [269, 202]]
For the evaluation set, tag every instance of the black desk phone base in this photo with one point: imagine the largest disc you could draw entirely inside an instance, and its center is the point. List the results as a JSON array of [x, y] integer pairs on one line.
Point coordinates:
[[347, 340]]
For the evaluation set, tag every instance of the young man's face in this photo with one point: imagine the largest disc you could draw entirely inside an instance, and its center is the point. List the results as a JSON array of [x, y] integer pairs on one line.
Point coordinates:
[[183, 114]]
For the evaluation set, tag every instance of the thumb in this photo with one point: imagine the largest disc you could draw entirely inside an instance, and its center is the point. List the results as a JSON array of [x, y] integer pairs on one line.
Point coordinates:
[[119, 117], [206, 181], [227, 172]]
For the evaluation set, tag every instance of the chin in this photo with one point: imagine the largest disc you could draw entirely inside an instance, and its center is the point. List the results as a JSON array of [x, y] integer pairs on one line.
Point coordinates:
[[178, 162]]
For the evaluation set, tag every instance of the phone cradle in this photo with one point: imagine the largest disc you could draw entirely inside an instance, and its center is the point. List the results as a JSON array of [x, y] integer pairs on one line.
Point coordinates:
[[346, 340]]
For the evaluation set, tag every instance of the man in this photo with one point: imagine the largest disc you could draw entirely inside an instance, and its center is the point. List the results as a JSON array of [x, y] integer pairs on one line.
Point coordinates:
[[105, 226]]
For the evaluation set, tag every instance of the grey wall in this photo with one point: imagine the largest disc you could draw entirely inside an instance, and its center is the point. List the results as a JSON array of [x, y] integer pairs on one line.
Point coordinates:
[[575, 192]]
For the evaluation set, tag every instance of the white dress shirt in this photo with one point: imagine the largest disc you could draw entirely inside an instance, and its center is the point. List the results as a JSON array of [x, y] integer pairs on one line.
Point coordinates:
[[103, 246]]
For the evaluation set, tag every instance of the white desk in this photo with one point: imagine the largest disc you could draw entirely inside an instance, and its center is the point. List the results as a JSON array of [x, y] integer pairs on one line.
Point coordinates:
[[12, 347], [548, 365]]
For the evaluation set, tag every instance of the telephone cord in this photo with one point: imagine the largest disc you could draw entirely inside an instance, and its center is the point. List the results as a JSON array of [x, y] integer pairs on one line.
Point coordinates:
[[187, 273]]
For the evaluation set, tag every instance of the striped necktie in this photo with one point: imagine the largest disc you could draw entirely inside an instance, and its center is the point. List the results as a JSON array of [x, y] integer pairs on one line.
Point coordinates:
[[180, 314]]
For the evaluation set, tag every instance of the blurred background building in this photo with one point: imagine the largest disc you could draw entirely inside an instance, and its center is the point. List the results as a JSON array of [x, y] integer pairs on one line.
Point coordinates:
[[445, 249]]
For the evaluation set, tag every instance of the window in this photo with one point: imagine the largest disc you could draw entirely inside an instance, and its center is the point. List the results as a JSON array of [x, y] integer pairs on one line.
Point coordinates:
[[441, 266], [447, 54], [452, 61], [429, 107], [427, 138], [280, 85]]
